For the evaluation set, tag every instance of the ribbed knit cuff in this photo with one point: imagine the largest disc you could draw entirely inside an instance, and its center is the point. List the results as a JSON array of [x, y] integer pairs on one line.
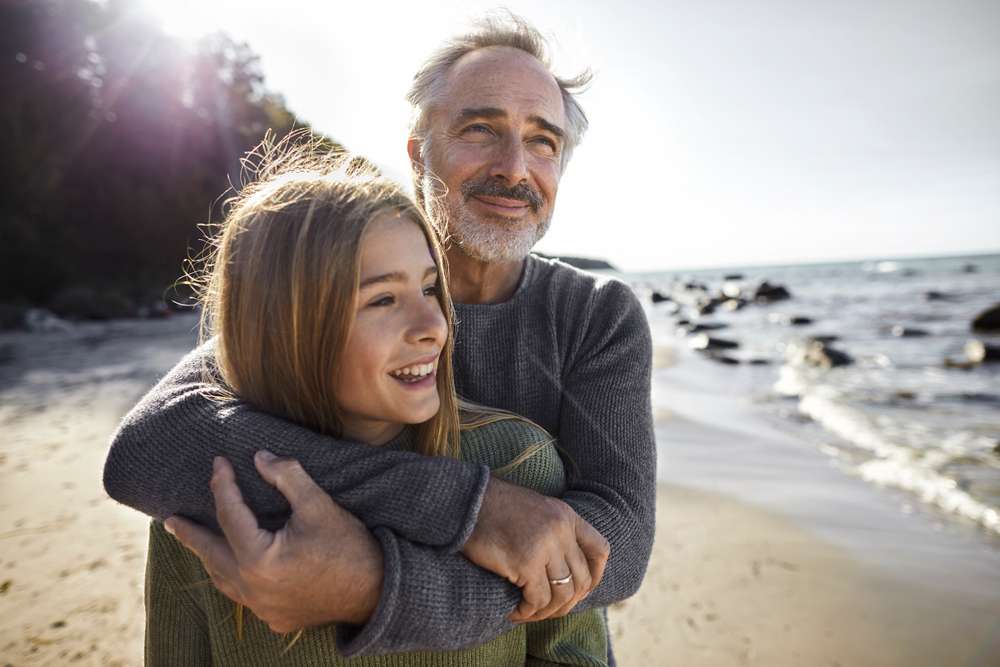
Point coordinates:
[[362, 640]]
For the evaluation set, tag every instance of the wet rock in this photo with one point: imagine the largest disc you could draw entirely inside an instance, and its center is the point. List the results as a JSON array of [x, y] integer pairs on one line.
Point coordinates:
[[705, 343], [694, 286], [979, 352], [960, 364], [768, 293], [704, 326], [759, 362], [732, 305], [826, 338], [970, 268], [733, 276], [988, 320], [789, 320], [660, 298], [723, 358], [934, 295], [707, 307], [899, 331], [812, 352]]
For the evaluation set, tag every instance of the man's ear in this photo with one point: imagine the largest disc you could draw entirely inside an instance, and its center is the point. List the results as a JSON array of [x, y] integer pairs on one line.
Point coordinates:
[[414, 147]]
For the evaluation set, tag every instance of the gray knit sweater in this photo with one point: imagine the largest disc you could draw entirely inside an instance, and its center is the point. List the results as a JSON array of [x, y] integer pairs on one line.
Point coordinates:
[[568, 350]]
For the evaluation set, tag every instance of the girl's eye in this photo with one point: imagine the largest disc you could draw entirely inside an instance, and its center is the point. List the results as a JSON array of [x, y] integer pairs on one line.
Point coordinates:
[[383, 301], [431, 290]]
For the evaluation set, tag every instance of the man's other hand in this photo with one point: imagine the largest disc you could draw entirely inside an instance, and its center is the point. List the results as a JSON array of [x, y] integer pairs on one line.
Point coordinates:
[[323, 566], [530, 540]]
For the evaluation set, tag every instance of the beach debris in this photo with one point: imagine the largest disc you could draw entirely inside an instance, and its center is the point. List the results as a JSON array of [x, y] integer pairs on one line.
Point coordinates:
[[768, 293], [5, 586], [899, 331], [813, 352], [705, 343], [988, 320], [934, 295], [789, 320]]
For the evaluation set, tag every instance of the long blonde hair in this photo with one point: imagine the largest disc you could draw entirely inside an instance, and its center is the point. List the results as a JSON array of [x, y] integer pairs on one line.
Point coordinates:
[[280, 284]]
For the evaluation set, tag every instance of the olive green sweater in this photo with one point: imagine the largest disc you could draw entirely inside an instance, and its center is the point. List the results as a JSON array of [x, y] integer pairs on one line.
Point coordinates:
[[190, 623]]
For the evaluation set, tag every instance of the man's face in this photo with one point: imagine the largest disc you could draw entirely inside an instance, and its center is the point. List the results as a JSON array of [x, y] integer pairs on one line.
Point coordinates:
[[493, 156]]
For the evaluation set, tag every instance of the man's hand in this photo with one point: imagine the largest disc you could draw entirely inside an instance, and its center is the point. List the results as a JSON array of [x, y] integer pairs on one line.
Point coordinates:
[[531, 539], [323, 566]]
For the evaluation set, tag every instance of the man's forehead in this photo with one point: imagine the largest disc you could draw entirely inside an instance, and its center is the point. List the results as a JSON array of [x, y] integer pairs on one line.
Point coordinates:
[[502, 78]]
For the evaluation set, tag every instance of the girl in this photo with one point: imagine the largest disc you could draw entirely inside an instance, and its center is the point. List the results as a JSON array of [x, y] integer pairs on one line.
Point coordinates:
[[327, 300]]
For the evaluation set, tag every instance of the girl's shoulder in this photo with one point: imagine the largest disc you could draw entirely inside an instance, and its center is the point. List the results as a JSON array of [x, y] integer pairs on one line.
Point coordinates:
[[517, 451]]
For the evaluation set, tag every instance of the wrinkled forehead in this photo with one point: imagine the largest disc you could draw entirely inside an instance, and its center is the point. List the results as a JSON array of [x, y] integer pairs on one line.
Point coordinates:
[[503, 78]]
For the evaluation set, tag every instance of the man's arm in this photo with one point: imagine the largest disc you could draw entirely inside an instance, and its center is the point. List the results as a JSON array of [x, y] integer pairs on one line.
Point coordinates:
[[160, 463], [606, 426]]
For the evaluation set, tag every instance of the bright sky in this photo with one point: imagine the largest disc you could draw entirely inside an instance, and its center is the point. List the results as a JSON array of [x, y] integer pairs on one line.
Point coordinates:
[[723, 132]]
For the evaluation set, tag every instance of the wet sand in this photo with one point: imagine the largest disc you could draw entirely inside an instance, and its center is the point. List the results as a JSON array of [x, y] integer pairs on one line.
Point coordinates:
[[730, 582]]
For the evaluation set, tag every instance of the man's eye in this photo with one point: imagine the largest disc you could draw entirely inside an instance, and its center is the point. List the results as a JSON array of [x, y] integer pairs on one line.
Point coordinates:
[[547, 142], [479, 128]]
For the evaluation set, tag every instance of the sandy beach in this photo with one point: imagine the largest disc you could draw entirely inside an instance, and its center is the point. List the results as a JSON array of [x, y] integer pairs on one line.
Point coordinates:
[[732, 581]]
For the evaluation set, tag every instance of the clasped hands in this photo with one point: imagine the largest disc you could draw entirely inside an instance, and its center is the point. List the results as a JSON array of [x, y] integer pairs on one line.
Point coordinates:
[[325, 566]]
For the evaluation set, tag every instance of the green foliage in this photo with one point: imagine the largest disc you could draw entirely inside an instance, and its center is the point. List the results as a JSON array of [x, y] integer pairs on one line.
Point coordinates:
[[119, 141]]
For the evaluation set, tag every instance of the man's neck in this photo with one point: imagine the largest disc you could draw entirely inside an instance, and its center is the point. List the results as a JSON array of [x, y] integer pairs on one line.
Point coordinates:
[[472, 281]]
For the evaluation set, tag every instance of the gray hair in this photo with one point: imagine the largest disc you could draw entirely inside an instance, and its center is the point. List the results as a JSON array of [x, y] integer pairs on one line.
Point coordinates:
[[504, 29]]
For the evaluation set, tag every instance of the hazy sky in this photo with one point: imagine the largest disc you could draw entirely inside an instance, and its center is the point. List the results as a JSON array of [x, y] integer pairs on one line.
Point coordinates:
[[723, 132]]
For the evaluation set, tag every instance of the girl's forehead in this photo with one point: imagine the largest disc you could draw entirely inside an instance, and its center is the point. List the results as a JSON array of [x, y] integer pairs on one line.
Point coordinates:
[[394, 243]]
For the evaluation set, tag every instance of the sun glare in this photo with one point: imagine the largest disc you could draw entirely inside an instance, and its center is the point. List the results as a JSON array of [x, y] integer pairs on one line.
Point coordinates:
[[186, 19]]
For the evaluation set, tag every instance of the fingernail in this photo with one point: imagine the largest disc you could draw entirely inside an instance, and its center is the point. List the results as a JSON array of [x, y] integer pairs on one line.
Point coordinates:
[[168, 525], [216, 464], [265, 456]]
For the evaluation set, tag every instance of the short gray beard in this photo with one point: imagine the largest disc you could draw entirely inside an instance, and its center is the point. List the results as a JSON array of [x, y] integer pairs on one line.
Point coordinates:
[[489, 241]]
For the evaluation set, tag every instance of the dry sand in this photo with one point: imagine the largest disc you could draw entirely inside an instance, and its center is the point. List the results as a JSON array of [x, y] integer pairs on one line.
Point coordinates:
[[729, 584]]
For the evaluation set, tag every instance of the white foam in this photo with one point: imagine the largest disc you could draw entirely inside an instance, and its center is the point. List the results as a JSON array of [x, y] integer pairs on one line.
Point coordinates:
[[897, 465]]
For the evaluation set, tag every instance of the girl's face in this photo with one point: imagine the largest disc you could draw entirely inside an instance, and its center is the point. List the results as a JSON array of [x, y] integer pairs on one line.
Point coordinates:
[[388, 373]]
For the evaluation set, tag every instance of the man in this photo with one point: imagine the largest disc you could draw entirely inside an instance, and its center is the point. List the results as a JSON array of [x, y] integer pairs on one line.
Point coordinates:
[[492, 133]]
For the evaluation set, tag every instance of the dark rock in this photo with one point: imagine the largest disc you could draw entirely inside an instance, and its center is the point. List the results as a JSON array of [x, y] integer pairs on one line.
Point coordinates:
[[789, 320], [759, 362], [826, 339], [733, 276], [723, 358], [979, 352], [660, 298], [960, 364], [707, 307], [934, 295], [732, 305], [816, 353], [768, 293], [899, 331], [706, 343], [988, 320], [695, 286], [683, 322], [704, 326], [970, 268]]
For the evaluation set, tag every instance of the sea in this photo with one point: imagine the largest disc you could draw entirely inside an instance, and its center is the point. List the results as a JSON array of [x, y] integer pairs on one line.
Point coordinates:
[[905, 414]]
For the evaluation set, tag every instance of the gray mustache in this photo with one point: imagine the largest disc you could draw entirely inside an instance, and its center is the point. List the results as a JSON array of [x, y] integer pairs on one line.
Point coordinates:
[[493, 188]]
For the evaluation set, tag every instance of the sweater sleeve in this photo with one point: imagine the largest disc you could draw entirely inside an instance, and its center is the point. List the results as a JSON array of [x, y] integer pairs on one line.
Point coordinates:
[[160, 463], [606, 426], [176, 632]]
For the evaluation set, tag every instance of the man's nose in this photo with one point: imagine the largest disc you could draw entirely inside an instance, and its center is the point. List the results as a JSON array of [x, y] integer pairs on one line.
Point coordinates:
[[511, 162]]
